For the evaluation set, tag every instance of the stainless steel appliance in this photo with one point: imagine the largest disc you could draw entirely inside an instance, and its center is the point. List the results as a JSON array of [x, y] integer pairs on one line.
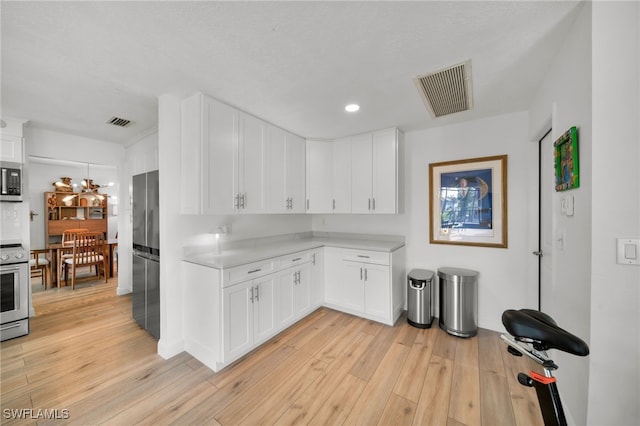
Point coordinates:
[[146, 252], [10, 181], [420, 296], [14, 296]]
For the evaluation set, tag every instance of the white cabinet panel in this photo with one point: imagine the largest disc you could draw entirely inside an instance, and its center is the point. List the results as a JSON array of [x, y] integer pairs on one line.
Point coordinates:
[[385, 186], [352, 286], [319, 176], [332, 275], [286, 172], [361, 173], [252, 165], [341, 182], [264, 300], [238, 319], [316, 280], [11, 149], [296, 173], [377, 290]]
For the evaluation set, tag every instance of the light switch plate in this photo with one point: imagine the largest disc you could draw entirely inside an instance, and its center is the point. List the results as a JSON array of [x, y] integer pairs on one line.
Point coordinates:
[[628, 251]]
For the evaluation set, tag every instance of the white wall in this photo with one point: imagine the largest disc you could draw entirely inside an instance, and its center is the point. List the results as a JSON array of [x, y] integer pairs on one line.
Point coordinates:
[[503, 281], [565, 98], [614, 374]]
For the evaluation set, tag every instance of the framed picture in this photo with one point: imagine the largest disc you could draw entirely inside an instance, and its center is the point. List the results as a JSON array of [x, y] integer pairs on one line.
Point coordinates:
[[468, 202], [566, 160]]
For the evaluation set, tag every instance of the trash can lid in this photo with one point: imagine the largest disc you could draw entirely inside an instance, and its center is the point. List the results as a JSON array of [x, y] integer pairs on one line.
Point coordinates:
[[457, 273], [421, 274]]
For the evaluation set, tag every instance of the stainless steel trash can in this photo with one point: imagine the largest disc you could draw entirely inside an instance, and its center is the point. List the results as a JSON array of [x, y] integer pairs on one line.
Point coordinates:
[[458, 301], [420, 291]]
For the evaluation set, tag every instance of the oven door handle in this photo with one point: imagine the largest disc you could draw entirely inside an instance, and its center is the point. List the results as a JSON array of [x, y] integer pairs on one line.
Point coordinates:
[[10, 326], [10, 268]]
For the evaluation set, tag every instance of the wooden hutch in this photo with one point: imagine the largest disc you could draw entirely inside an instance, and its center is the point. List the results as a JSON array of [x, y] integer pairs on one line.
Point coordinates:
[[67, 210]]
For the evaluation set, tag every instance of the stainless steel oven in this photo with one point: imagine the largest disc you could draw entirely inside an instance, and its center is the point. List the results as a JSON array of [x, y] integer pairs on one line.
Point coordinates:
[[14, 297]]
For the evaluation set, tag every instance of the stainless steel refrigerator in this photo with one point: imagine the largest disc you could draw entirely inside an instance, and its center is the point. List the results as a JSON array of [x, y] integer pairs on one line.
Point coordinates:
[[146, 252]]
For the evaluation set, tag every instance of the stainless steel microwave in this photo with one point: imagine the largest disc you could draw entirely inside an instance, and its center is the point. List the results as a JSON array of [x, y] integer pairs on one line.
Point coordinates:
[[10, 181]]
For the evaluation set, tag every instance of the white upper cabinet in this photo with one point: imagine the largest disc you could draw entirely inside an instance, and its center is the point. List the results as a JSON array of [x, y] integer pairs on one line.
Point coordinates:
[[375, 185], [286, 172], [319, 177], [209, 154], [251, 185], [341, 182]]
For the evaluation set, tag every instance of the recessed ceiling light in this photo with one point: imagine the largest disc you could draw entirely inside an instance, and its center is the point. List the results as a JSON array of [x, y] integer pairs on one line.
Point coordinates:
[[352, 108]]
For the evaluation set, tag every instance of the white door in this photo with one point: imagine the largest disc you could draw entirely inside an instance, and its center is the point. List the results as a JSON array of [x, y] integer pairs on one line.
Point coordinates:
[[319, 179], [302, 300], [376, 290], [238, 315], [341, 182], [352, 296], [264, 311], [384, 176], [286, 284], [295, 170], [361, 173], [253, 164], [220, 127], [547, 189], [277, 170]]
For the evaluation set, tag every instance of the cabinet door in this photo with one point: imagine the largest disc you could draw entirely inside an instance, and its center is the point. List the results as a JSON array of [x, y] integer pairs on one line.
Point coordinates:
[[319, 178], [295, 171], [333, 275], [220, 138], [341, 182], [377, 296], [361, 173], [286, 287], [264, 311], [238, 319], [11, 149], [277, 188], [352, 296], [385, 171], [252, 159], [316, 280], [302, 297]]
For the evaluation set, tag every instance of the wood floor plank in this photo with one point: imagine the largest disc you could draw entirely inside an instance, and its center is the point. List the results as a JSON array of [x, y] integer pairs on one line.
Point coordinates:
[[433, 406], [369, 407], [85, 354], [464, 404]]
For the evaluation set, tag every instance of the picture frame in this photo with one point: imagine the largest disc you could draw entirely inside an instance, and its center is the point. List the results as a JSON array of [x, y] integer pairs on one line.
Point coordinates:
[[468, 202], [567, 161]]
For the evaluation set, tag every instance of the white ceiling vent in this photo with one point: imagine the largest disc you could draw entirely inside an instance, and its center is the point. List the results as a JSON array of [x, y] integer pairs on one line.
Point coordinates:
[[120, 122], [446, 91]]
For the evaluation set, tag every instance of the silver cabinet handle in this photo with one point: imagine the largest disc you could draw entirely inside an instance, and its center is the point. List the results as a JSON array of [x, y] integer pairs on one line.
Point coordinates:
[[360, 274], [296, 259], [244, 196], [362, 255], [307, 204], [254, 271], [334, 204], [365, 274], [313, 259], [251, 298], [369, 203], [257, 293], [236, 204], [374, 203]]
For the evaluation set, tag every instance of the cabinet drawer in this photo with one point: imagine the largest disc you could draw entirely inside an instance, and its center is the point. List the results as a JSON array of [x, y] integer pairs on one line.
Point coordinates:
[[377, 257], [293, 259], [248, 272]]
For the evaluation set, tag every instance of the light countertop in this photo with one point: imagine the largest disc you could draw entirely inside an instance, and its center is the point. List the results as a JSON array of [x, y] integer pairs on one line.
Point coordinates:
[[262, 249]]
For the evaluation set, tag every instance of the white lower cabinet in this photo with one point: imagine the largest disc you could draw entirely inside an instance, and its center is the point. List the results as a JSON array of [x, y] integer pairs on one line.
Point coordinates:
[[293, 294], [365, 283], [249, 315]]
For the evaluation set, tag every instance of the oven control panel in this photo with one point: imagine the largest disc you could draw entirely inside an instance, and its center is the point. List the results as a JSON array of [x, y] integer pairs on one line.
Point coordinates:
[[13, 254]]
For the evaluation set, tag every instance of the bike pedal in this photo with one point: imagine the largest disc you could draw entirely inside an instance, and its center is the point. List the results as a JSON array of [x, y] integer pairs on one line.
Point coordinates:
[[513, 352], [525, 380]]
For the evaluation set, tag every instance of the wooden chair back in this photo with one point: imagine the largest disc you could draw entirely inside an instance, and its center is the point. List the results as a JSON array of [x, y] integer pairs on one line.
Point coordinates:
[[68, 235], [88, 250]]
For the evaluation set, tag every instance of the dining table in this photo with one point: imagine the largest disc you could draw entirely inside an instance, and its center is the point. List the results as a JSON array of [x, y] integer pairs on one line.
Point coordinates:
[[56, 250]]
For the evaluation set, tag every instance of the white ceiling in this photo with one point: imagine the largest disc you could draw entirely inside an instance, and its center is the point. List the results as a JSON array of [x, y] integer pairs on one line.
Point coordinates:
[[71, 66]]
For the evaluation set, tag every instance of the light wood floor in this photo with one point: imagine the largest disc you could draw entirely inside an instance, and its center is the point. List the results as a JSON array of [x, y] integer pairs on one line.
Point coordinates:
[[87, 359]]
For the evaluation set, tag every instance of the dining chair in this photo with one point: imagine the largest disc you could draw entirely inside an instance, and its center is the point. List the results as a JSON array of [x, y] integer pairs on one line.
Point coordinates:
[[68, 237], [88, 250], [40, 266]]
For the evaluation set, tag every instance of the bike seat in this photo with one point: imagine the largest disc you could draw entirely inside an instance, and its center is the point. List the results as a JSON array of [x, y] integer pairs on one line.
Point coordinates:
[[543, 330]]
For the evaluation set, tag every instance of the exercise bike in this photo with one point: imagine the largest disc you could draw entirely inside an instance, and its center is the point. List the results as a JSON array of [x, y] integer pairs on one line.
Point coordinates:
[[532, 333]]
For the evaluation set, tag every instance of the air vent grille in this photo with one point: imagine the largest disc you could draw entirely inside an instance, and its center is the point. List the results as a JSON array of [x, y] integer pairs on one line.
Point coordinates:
[[120, 122], [447, 91]]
